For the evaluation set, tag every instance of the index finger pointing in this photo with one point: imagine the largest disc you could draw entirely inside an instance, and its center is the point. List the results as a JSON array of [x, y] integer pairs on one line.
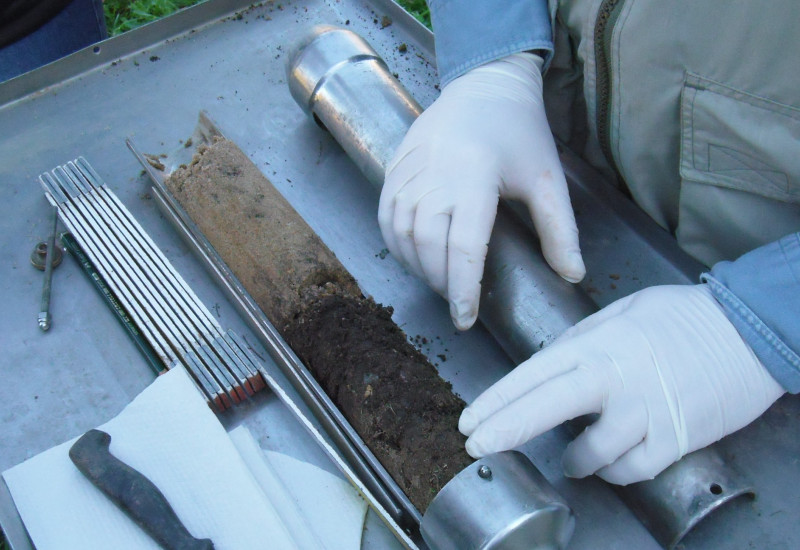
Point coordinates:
[[573, 394], [548, 363], [468, 242]]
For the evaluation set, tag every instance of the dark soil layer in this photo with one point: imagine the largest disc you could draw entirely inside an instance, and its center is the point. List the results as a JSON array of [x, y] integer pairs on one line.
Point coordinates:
[[390, 393]]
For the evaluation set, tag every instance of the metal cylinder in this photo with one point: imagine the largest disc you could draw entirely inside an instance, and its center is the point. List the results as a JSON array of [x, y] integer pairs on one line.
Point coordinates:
[[339, 80], [499, 502], [681, 496]]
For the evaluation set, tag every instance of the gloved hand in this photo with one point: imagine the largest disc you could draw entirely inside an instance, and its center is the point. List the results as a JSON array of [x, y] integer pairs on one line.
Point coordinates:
[[486, 136], [666, 370]]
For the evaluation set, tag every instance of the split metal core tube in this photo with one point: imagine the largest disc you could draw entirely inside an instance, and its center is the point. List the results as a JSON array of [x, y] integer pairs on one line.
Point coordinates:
[[344, 85]]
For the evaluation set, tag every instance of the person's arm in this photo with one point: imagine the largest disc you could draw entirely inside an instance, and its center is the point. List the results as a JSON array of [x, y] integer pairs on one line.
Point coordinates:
[[669, 370], [484, 138], [760, 293], [469, 34]]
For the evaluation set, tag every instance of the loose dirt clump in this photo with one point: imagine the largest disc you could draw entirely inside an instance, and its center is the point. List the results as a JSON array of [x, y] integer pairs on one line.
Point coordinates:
[[388, 391]]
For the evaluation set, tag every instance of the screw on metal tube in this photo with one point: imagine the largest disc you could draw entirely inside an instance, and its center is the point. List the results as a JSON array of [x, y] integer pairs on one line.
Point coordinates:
[[44, 310]]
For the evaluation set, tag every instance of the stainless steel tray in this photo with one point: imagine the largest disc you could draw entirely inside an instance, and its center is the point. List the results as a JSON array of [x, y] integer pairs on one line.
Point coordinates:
[[369, 475], [149, 85]]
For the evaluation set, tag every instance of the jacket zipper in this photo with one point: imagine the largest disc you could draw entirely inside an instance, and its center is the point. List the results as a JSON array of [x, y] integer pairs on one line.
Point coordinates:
[[603, 30]]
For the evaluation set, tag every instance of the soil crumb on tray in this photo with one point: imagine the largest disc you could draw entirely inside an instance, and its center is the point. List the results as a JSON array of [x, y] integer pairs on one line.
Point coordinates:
[[388, 391]]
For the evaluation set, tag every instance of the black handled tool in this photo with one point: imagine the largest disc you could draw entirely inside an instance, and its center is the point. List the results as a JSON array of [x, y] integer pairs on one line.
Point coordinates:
[[132, 492]]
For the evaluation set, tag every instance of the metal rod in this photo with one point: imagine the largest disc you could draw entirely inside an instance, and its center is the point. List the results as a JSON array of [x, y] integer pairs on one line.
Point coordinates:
[[140, 269], [179, 307], [113, 303], [143, 320], [171, 340], [156, 268], [102, 242], [147, 245], [45, 318]]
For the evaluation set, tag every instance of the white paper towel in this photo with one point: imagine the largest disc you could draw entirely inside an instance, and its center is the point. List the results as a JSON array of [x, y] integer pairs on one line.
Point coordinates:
[[169, 434], [322, 511]]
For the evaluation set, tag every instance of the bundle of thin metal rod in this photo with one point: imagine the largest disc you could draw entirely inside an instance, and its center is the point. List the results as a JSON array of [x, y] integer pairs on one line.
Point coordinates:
[[172, 318]]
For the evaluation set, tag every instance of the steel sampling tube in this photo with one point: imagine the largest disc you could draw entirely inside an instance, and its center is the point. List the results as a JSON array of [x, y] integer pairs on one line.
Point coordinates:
[[343, 84]]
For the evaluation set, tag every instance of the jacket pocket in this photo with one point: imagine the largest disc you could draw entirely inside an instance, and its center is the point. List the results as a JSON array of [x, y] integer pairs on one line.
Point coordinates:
[[740, 141], [740, 170]]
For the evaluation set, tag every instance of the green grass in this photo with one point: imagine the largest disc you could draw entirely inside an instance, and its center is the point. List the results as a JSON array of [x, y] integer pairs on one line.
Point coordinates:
[[419, 9], [124, 15]]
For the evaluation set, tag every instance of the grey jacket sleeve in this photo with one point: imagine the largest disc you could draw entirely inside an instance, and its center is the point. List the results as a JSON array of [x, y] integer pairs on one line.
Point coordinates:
[[760, 293], [470, 33]]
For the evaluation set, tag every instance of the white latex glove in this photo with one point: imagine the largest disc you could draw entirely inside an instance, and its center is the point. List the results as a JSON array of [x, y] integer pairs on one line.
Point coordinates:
[[666, 370], [486, 136]]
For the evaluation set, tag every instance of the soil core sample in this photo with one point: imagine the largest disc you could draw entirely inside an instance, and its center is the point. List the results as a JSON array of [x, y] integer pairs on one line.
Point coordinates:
[[388, 391]]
